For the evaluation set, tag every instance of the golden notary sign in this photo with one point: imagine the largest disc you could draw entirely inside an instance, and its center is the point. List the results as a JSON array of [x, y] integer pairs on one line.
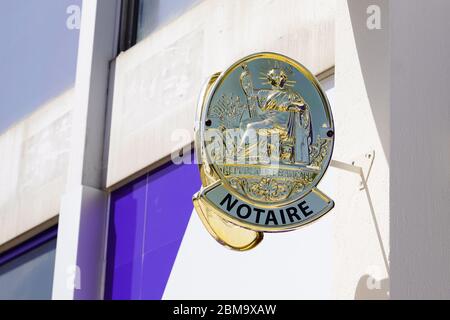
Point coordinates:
[[264, 137]]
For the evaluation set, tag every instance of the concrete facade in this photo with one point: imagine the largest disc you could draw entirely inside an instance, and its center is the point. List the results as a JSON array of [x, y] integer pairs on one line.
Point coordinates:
[[157, 82], [420, 150], [33, 170]]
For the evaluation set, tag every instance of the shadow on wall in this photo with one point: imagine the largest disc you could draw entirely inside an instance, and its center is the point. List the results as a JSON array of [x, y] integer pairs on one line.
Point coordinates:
[[372, 45], [369, 288]]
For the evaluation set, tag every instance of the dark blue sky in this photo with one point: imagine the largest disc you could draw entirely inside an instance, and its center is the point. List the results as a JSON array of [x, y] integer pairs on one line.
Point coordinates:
[[37, 55]]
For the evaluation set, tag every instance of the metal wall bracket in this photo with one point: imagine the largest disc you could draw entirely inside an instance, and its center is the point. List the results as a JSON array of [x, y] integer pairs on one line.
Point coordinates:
[[365, 162], [361, 165]]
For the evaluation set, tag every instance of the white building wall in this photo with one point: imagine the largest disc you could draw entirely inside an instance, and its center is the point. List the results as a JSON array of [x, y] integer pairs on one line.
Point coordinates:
[[292, 265], [420, 149], [345, 255], [361, 115]]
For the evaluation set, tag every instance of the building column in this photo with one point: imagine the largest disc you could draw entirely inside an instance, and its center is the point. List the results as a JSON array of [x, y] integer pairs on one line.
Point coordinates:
[[420, 149], [80, 252], [392, 75]]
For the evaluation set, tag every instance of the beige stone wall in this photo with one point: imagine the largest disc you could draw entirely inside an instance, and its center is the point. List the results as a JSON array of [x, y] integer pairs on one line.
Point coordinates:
[[157, 82], [33, 169]]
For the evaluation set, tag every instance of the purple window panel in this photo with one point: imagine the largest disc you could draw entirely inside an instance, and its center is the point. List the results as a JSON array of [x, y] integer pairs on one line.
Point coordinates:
[[148, 218]]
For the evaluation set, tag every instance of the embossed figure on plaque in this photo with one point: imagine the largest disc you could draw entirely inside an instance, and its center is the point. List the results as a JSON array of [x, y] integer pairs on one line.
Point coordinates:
[[279, 110], [266, 124]]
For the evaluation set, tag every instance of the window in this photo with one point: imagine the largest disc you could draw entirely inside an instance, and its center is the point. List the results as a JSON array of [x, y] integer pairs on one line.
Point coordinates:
[[141, 17], [26, 271], [155, 13], [148, 218]]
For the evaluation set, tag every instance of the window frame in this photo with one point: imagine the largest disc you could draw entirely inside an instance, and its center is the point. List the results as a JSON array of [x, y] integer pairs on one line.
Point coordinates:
[[28, 245], [129, 14]]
